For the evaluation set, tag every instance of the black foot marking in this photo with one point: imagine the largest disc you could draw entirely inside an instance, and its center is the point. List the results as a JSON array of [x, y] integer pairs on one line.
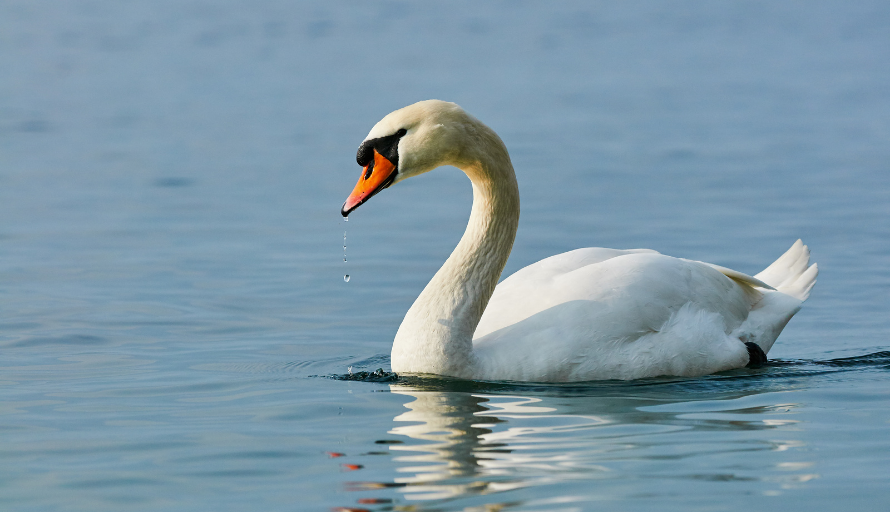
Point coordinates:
[[756, 357]]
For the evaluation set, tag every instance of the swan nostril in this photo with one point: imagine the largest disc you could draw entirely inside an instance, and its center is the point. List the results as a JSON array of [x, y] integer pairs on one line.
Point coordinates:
[[369, 170]]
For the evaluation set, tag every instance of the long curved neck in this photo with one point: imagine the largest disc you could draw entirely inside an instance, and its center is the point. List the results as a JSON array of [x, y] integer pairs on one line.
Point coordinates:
[[436, 335]]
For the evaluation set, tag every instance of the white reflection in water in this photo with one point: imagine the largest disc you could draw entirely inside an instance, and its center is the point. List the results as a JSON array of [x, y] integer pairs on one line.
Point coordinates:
[[481, 443], [462, 442]]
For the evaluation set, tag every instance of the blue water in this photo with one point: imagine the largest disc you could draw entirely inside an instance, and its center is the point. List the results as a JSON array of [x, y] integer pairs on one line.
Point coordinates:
[[172, 302]]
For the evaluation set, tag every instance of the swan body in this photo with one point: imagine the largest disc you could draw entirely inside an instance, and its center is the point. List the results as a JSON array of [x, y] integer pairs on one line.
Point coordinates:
[[587, 314]]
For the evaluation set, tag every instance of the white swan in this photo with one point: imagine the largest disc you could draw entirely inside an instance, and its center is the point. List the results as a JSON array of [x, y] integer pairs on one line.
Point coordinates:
[[587, 314]]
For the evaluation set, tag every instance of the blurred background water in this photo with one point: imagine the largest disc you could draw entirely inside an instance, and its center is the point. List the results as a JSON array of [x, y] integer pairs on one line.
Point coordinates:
[[171, 267]]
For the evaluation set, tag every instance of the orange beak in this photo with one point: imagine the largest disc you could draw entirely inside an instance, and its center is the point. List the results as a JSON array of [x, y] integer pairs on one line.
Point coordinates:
[[376, 176]]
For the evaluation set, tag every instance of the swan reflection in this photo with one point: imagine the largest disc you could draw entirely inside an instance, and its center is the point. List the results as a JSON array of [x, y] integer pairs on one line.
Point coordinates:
[[459, 444]]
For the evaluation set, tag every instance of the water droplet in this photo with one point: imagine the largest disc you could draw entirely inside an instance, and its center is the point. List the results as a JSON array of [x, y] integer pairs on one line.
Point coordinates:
[[345, 276], [345, 219]]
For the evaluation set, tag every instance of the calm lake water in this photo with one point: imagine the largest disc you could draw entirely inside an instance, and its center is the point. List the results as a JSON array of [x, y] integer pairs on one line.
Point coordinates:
[[172, 302]]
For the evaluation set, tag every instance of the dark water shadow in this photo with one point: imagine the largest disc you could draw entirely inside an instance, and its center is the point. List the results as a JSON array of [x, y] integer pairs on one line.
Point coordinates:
[[75, 340], [173, 182]]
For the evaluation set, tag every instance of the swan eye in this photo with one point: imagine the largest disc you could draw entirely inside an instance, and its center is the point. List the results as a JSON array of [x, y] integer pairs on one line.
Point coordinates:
[[401, 132]]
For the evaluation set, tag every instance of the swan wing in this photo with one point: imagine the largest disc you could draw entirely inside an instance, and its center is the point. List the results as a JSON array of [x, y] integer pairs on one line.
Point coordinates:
[[600, 274], [634, 314], [566, 262], [738, 276], [520, 295]]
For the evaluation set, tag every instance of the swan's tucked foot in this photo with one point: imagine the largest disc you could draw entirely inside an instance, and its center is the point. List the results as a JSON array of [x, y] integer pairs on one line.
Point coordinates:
[[756, 357]]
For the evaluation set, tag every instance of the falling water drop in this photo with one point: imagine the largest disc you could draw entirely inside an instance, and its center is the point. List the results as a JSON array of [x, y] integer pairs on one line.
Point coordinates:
[[345, 276]]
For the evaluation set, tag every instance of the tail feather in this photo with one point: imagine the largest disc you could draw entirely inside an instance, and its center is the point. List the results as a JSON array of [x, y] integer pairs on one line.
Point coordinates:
[[793, 277], [792, 273]]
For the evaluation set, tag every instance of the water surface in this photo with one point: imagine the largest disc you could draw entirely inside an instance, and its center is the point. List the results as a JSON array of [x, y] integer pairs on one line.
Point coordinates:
[[172, 300]]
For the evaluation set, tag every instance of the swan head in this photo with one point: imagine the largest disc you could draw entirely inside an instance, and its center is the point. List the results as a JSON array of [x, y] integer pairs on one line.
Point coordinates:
[[408, 142]]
